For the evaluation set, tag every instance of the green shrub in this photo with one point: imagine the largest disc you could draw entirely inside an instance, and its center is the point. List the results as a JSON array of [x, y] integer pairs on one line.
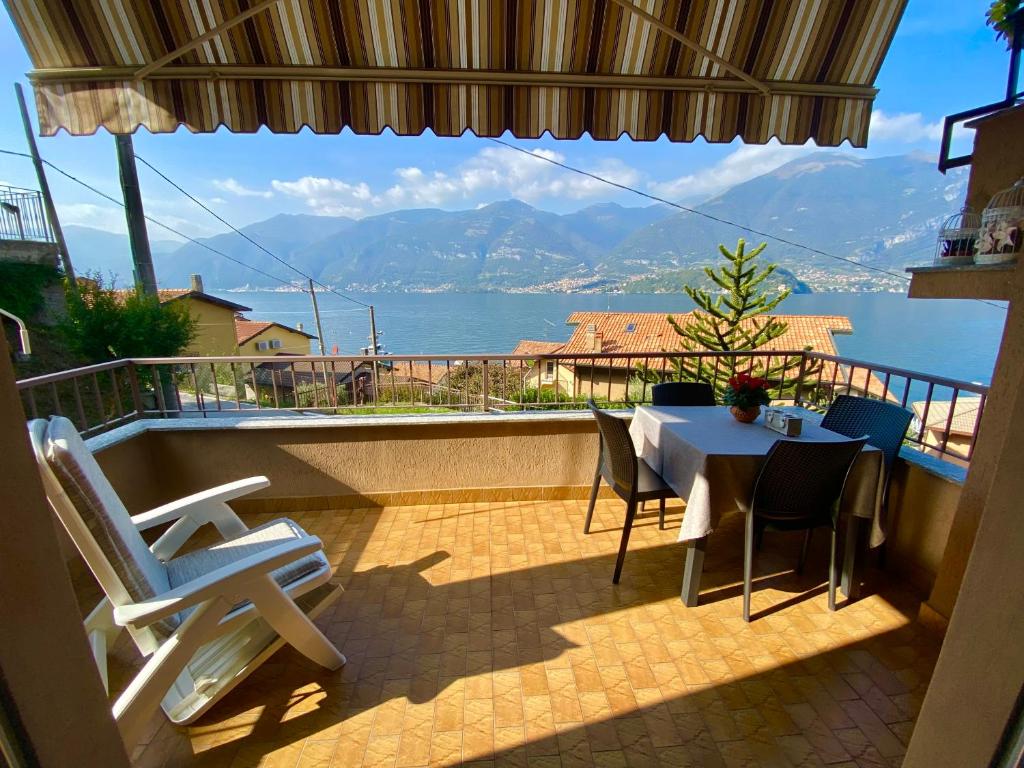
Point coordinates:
[[21, 287], [102, 324]]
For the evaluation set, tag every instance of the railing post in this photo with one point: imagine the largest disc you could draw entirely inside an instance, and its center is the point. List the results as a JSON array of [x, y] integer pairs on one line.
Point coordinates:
[[485, 395], [133, 383], [798, 389]]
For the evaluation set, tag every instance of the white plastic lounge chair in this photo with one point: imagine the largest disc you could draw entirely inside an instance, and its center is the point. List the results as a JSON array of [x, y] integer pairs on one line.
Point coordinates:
[[205, 619]]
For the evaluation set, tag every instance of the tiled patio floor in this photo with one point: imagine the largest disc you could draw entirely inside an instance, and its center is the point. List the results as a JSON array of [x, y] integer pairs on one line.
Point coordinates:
[[491, 634]]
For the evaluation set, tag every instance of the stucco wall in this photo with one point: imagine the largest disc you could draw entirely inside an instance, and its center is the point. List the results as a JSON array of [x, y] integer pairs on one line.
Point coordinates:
[[292, 342], [215, 331], [998, 158], [922, 505], [338, 465]]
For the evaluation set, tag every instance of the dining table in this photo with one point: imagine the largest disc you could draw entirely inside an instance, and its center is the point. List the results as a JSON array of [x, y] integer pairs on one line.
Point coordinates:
[[711, 461]]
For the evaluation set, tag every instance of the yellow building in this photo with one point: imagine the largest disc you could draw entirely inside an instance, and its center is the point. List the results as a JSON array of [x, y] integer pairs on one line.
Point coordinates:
[[550, 374], [215, 319], [264, 337]]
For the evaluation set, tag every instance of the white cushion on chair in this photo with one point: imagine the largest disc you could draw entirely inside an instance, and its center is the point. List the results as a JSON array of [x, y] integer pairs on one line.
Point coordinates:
[[191, 566], [103, 512]]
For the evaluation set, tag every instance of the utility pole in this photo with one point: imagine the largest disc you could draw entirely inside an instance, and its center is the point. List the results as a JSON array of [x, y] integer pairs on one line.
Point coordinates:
[[373, 332], [316, 317], [373, 351], [145, 276], [44, 189]]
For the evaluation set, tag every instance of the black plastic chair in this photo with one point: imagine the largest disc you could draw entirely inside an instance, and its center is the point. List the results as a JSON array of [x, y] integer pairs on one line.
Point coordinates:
[[885, 425], [683, 393], [798, 489], [631, 478]]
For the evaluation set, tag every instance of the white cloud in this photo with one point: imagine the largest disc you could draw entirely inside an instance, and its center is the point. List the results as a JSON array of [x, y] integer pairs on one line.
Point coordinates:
[[907, 127], [745, 163], [329, 197], [233, 187], [106, 217], [493, 173]]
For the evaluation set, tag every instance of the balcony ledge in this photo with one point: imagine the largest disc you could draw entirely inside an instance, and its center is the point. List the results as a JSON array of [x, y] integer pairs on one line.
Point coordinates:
[[930, 464], [226, 422]]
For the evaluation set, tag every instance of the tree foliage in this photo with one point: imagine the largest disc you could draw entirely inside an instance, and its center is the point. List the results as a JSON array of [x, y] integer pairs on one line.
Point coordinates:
[[22, 286], [738, 319], [103, 324]]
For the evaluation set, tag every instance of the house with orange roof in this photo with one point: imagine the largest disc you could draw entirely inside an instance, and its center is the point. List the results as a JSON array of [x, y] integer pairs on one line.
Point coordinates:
[[214, 316], [940, 429], [549, 374], [266, 337], [644, 333]]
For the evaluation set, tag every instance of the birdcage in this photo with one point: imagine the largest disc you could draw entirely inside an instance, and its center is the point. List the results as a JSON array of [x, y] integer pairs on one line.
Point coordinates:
[[957, 238], [1002, 222]]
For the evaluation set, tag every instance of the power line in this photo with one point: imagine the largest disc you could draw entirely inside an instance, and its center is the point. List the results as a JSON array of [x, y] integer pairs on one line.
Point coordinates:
[[159, 223], [241, 234], [720, 220]]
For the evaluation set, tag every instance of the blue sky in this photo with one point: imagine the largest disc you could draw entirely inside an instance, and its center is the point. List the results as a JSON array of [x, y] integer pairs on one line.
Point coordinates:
[[943, 60]]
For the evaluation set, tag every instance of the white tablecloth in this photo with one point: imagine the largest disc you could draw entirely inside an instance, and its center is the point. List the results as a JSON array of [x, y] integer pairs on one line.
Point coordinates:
[[712, 461]]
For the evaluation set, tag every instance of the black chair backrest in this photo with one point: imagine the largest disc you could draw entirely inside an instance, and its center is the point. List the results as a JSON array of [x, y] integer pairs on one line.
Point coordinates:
[[618, 456], [803, 480], [885, 424], [683, 393]]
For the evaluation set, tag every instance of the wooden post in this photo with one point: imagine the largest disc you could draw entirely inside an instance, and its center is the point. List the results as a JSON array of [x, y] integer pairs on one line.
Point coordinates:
[[145, 276], [44, 189]]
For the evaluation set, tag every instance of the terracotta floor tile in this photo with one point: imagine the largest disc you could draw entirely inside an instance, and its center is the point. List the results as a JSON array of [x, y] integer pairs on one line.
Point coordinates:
[[491, 634]]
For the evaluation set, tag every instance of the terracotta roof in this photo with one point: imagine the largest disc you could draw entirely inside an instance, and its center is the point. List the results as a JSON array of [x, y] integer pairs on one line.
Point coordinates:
[[245, 328], [172, 294], [624, 332], [965, 415], [534, 347], [414, 370], [650, 332]]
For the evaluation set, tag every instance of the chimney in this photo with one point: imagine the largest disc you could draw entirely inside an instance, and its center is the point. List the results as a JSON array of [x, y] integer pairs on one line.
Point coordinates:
[[197, 283], [594, 338]]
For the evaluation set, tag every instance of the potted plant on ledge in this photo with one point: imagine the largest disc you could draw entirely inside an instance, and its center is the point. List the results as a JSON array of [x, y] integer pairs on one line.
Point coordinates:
[[745, 395]]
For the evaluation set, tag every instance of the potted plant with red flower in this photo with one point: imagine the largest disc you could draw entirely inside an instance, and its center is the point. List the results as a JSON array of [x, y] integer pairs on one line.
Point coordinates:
[[745, 395]]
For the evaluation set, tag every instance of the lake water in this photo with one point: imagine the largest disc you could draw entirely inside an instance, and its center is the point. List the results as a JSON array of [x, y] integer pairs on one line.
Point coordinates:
[[957, 339]]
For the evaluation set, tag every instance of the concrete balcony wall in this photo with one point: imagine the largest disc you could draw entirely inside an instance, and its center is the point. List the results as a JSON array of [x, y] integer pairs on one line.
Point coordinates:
[[923, 498], [381, 461], [376, 462], [29, 252]]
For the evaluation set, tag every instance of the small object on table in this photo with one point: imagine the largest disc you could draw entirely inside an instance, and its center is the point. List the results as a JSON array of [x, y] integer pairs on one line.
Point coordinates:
[[745, 415], [783, 423], [745, 395]]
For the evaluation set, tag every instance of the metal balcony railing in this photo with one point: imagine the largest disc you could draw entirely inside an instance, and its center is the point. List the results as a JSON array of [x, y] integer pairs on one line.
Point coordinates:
[[100, 397], [22, 215]]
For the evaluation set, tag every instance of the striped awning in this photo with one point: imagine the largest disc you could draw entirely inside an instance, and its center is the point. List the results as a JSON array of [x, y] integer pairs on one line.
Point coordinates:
[[721, 69]]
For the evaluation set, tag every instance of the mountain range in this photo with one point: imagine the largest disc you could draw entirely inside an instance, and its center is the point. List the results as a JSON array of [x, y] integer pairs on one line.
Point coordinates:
[[881, 212]]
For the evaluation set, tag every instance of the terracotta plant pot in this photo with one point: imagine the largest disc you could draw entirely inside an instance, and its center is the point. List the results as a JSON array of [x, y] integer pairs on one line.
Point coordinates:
[[745, 415]]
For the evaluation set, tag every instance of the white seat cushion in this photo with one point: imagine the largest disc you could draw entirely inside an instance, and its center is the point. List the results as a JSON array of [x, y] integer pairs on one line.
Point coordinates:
[[191, 566], [103, 513]]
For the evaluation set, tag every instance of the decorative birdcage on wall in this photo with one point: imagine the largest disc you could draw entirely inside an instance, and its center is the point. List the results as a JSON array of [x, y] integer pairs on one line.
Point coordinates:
[[1002, 227], [958, 238]]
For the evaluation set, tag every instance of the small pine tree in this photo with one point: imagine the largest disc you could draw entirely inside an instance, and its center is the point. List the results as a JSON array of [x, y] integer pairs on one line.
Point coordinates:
[[736, 320]]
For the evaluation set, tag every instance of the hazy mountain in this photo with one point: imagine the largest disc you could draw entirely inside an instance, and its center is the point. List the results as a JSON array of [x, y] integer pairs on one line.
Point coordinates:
[[284, 235], [883, 212], [96, 250]]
